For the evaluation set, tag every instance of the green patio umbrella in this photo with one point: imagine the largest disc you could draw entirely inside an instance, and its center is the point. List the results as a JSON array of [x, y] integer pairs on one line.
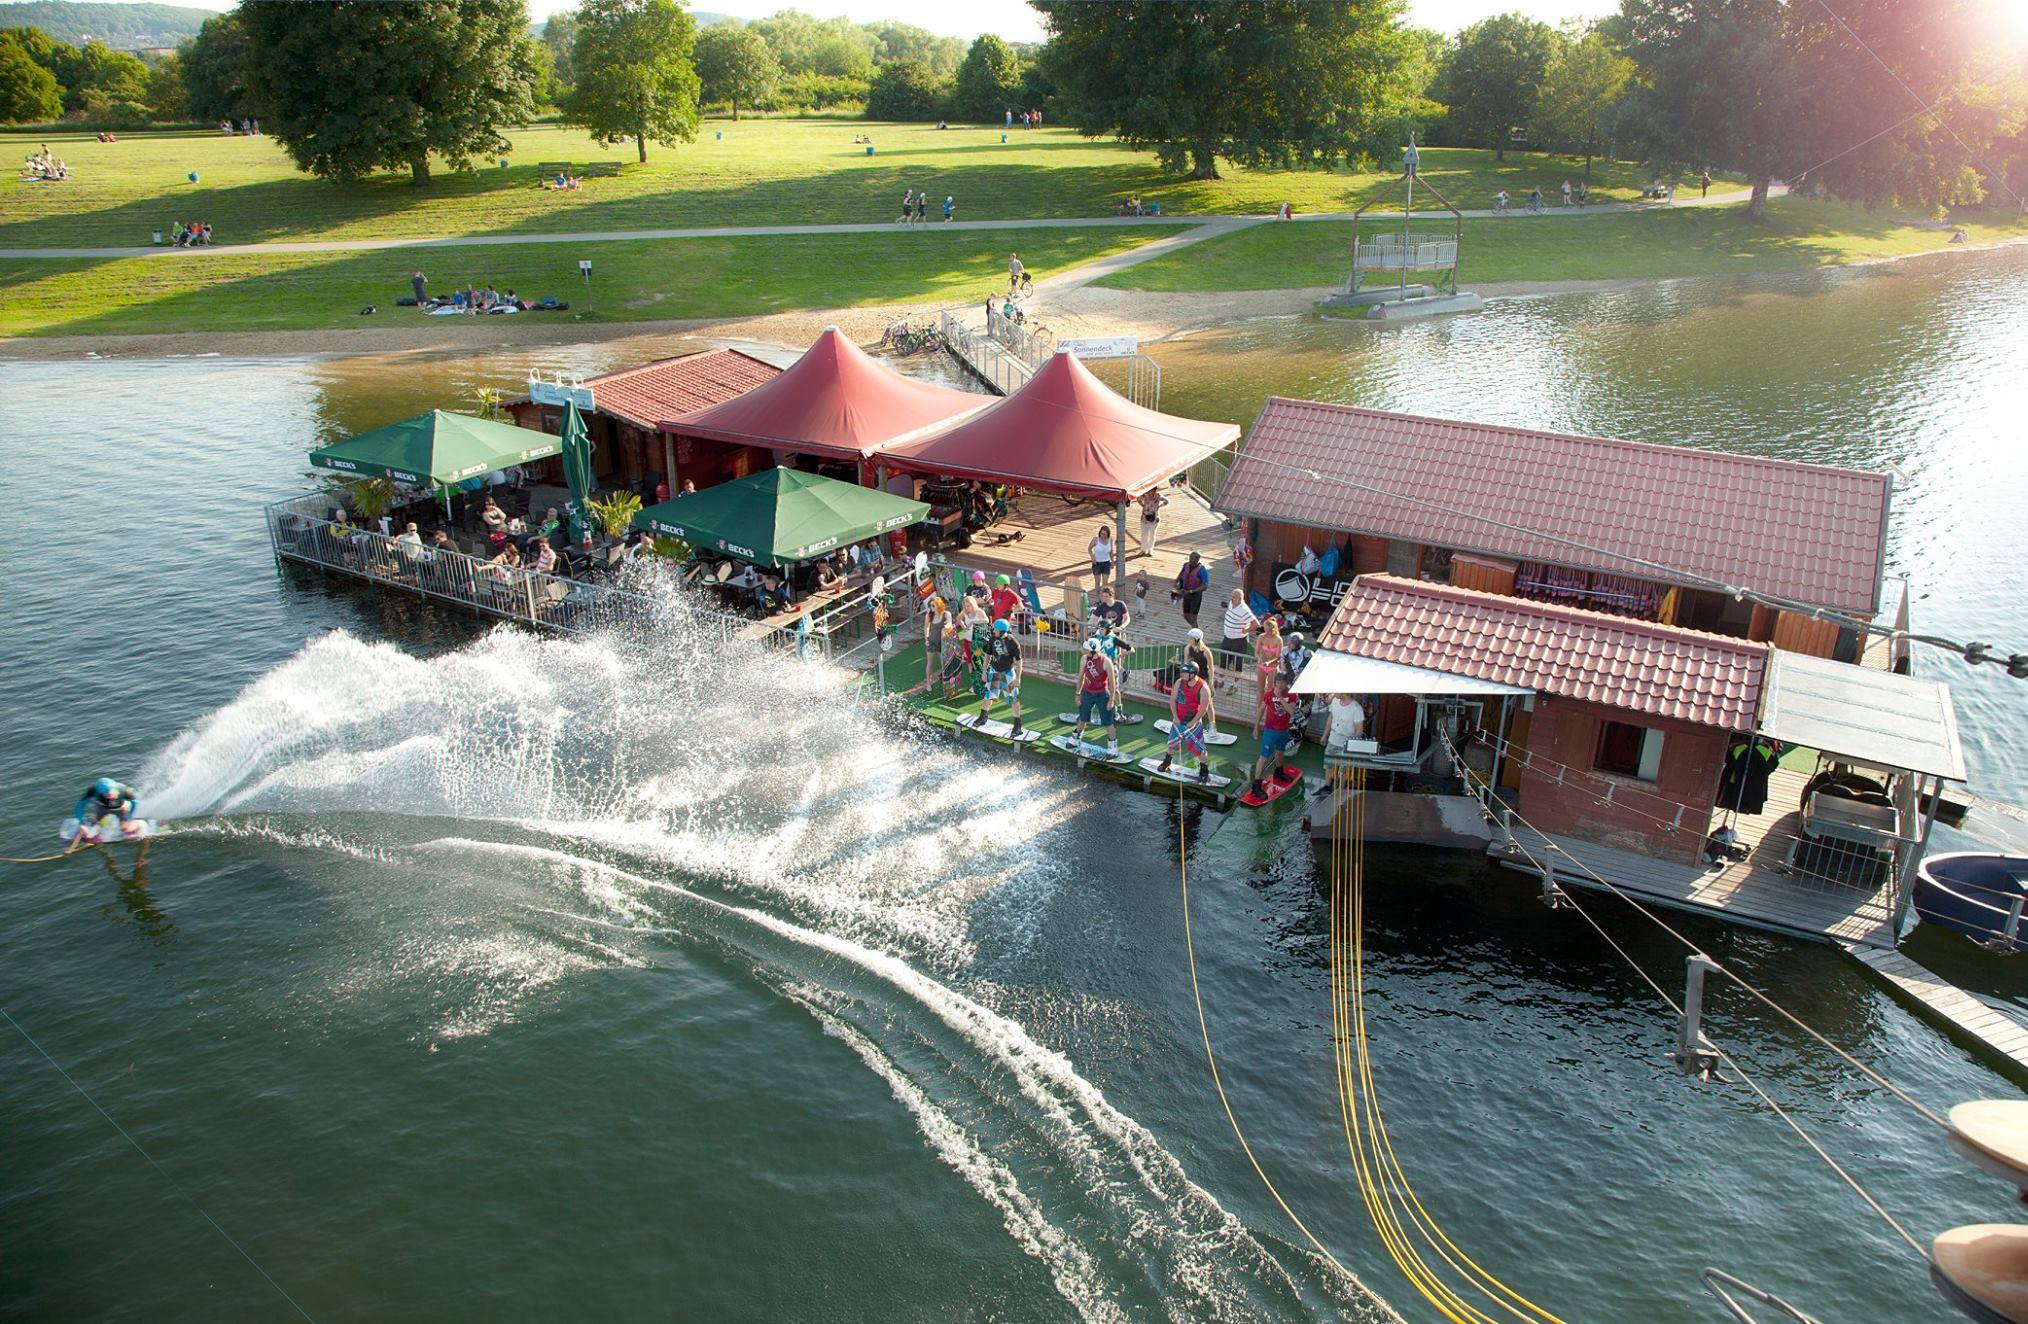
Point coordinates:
[[780, 515], [577, 468], [436, 449]]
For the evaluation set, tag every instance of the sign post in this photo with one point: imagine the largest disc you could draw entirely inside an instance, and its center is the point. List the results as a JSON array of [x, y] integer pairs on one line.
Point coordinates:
[[584, 266], [1093, 348]]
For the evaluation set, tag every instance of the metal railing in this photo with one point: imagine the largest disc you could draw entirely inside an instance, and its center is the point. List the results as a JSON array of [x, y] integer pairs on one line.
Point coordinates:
[[1032, 346], [989, 360]]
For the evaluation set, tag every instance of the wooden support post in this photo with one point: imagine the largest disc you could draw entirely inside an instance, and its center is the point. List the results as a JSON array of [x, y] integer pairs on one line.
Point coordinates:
[[668, 466], [1120, 548]]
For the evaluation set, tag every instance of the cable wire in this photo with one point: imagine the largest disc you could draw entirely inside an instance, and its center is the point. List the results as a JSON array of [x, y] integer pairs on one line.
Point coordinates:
[[164, 1172]]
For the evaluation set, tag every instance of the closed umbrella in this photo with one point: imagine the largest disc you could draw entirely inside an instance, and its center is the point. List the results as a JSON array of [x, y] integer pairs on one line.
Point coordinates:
[[577, 468]]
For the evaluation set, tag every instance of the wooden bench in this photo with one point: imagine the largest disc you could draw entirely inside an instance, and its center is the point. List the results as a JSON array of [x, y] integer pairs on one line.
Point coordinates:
[[551, 169]]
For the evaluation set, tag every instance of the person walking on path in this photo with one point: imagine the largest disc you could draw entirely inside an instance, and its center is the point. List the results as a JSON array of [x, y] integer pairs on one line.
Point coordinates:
[[907, 207], [1191, 581], [1013, 273], [922, 207], [1566, 193], [1101, 556], [1704, 184], [950, 206], [1151, 519], [1240, 622]]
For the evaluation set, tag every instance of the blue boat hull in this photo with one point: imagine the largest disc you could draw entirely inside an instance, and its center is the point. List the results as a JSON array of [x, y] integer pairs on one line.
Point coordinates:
[[1974, 894]]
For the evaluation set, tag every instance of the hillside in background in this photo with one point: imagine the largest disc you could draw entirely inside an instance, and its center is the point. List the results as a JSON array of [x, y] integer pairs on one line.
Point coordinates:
[[122, 27]]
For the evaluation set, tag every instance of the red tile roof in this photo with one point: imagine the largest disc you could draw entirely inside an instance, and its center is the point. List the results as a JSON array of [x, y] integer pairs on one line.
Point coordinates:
[[1801, 531], [1656, 670], [647, 394]]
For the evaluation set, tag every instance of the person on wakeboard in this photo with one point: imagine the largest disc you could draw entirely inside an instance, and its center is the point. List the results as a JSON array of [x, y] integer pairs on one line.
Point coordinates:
[[105, 796]]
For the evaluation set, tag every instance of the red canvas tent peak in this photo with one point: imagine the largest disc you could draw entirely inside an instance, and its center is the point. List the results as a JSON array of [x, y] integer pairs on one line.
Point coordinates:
[[836, 400], [1067, 431]]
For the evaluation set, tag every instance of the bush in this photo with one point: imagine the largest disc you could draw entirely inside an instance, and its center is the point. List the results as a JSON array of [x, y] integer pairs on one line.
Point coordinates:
[[111, 113], [817, 92], [907, 90]]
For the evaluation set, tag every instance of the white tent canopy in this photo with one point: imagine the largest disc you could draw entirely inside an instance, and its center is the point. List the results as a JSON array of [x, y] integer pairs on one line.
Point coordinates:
[[1871, 716], [1331, 672]]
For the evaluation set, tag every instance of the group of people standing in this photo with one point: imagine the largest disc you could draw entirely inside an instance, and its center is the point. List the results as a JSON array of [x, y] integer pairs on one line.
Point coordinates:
[[915, 205], [1028, 119]]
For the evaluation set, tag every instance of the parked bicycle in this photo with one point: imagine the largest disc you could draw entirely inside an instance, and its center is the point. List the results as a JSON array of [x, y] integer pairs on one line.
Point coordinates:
[[905, 340]]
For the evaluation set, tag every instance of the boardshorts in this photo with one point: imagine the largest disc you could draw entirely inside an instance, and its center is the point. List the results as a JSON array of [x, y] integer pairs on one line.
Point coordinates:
[[1188, 738], [1002, 685], [1094, 709]]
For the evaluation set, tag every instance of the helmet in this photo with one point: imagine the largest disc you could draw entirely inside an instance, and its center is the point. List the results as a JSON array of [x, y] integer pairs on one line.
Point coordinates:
[[1189, 668], [1092, 645], [1296, 638], [978, 576], [1197, 635], [1002, 580], [1000, 626], [106, 787]]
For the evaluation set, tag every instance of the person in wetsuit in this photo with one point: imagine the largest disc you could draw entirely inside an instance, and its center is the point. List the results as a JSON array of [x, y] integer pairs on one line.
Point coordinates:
[[105, 796]]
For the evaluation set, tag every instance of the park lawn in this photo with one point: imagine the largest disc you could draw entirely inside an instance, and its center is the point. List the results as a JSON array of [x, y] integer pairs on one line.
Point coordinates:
[[635, 280], [1657, 243], [772, 172]]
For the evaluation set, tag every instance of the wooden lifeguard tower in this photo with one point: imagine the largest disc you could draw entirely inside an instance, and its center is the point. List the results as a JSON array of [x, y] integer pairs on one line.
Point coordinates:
[[1395, 253]]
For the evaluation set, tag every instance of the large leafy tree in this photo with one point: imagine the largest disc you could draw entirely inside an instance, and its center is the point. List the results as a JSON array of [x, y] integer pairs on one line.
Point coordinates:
[[634, 74], [94, 74], [351, 86], [988, 82], [1258, 82], [793, 36], [905, 41], [215, 71], [28, 92], [1583, 90], [1491, 76], [166, 93], [905, 90], [559, 35], [734, 65]]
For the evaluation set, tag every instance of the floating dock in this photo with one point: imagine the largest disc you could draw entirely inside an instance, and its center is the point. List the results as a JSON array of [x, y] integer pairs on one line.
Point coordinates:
[[1960, 1014]]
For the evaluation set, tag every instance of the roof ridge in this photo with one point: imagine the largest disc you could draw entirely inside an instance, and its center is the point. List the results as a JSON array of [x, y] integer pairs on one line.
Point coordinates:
[[1497, 429], [1578, 615]]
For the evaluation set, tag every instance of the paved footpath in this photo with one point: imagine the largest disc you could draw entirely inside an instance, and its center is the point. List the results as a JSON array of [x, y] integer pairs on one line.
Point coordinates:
[[1202, 227]]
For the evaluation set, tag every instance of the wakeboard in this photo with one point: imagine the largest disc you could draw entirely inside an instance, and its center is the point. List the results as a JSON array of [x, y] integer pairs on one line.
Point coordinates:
[[1275, 787], [1165, 726], [1179, 773], [999, 730], [135, 829], [1085, 749], [1125, 719]]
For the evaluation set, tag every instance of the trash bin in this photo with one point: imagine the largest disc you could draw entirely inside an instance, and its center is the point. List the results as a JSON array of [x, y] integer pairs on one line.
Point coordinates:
[[869, 149], [158, 237]]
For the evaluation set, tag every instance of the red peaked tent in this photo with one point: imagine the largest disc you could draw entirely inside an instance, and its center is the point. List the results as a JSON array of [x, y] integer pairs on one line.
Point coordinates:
[[835, 400], [1066, 431]]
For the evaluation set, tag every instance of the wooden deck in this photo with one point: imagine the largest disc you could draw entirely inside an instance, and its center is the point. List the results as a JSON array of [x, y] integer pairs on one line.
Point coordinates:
[[1957, 1011], [1755, 891], [1054, 543]]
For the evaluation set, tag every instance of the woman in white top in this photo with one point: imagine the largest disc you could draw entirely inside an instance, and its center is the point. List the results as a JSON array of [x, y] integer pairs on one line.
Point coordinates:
[[1102, 556], [1347, 722]]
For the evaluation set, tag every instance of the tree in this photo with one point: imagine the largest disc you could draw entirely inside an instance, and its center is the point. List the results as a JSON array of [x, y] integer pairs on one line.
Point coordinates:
[[1581, 92], [905, 90], [29, 93], [840, 56], [634, 74], [1719, 87], [734, 65], [988, 82], [350, 86], [166, 93], [559, 35], [905, 41], [214, 65], [792, 35], [96, 73], [1259, 82], [1491, 76]]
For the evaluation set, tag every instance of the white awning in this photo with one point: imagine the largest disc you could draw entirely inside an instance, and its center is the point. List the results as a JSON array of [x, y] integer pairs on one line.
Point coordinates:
[[1330, 672], [1864, 714]]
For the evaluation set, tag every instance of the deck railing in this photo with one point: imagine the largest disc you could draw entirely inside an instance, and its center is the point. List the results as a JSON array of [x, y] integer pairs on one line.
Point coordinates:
[[992, 362]]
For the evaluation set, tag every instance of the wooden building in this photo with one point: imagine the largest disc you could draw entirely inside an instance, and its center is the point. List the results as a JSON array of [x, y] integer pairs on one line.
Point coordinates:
[[1618, 527], [631, 448]]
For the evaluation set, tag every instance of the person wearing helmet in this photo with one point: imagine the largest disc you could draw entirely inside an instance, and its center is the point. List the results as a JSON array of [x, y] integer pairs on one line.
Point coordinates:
[[1003, 602], [1003, 675], [102, 798], [1296, 656], [1191, 710], [1097, 678]]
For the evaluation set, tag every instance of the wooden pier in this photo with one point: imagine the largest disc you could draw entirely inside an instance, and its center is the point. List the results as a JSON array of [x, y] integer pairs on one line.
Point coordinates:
[[1758, 890], [1960, 1014]]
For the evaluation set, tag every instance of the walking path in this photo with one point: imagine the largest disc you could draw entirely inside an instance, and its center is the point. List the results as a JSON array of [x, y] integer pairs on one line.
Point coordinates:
[[1202, 227]]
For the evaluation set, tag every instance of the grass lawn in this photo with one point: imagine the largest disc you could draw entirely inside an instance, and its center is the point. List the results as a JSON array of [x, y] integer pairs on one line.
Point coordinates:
[[635, 280], [1689, 241], [760, 172]]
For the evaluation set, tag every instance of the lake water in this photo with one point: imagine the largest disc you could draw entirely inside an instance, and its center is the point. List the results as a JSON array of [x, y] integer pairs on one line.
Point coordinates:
[[488, 976]]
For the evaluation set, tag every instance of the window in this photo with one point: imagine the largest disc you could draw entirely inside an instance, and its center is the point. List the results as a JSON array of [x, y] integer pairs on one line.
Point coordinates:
[[1626, 750]]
